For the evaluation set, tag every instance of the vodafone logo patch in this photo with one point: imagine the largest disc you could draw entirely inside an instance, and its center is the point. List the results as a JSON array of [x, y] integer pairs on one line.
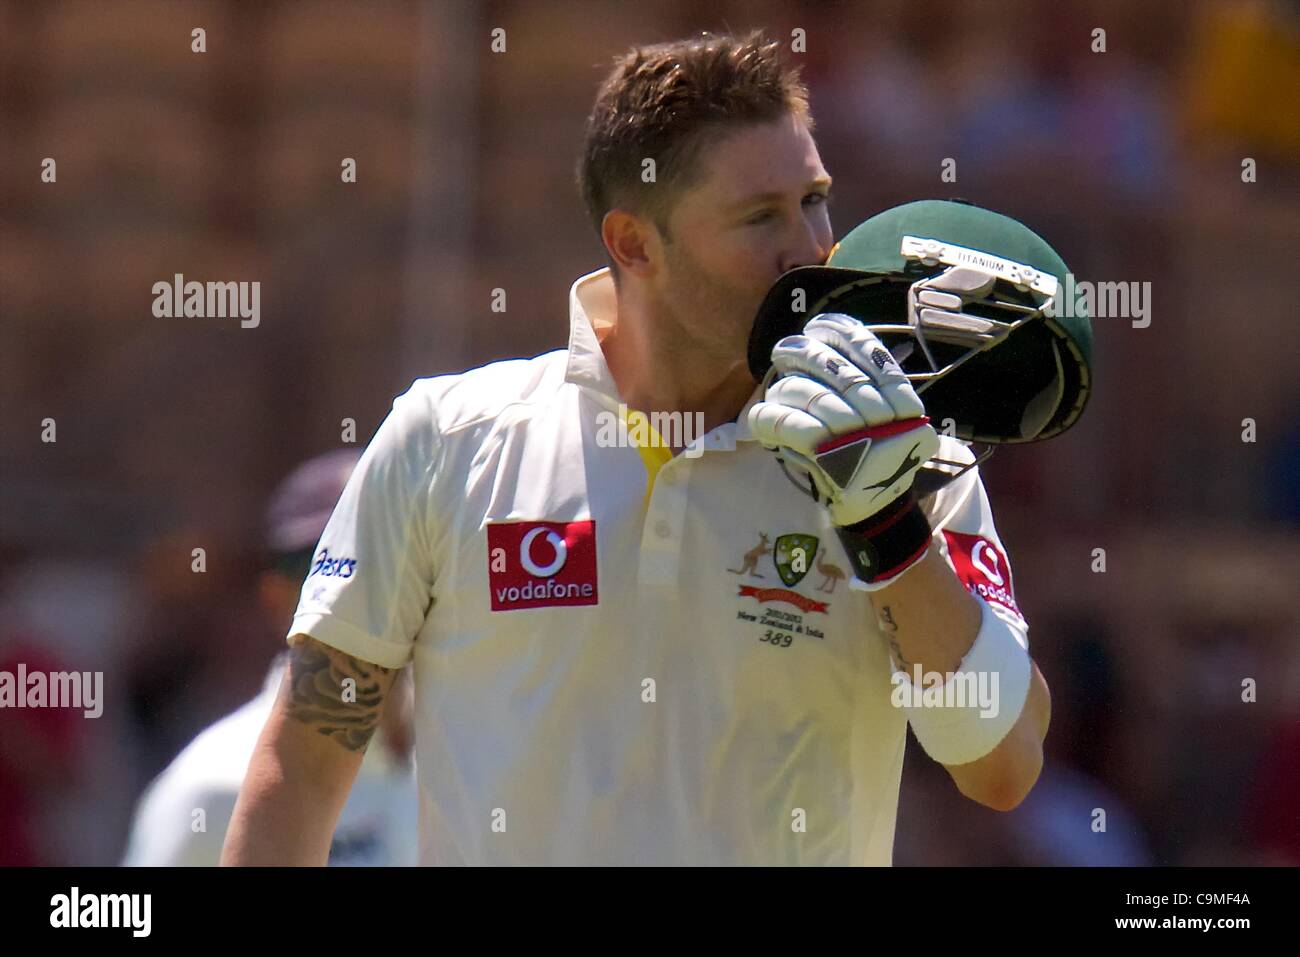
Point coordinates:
[[982, 568], [541, 564], [558, 547]]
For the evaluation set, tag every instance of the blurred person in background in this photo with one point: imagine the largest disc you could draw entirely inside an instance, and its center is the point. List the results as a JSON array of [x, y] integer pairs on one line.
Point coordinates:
[[41, 755], [65, 791], [378, 824]]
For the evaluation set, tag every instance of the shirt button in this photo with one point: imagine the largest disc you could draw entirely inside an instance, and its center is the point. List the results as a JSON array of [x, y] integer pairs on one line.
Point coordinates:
[[663, 529]]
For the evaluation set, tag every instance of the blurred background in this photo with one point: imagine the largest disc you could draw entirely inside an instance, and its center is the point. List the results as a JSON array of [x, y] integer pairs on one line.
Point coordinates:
[[225, 165]]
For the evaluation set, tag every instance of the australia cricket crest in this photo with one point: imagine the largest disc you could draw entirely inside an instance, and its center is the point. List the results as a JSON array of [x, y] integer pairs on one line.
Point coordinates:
[[793, 556]]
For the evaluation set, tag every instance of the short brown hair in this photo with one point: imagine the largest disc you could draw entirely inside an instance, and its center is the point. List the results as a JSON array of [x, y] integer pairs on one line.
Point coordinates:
[[666, 101]]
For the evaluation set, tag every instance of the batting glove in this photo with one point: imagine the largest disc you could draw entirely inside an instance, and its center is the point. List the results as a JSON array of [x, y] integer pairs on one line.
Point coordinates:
[[842, 411]]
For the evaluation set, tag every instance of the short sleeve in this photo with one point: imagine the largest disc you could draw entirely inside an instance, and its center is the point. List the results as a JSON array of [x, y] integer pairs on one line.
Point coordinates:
[[371, 580], [962, 519]]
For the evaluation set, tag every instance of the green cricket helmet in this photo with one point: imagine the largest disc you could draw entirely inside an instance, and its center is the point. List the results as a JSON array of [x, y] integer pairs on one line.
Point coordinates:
[[967, 301]]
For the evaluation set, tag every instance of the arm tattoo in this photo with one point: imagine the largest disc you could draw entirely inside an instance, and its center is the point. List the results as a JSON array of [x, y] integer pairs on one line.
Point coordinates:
[[887, 619], [317, 695]]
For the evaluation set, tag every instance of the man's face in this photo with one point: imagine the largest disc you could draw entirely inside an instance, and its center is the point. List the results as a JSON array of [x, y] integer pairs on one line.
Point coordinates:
[[758, 210]]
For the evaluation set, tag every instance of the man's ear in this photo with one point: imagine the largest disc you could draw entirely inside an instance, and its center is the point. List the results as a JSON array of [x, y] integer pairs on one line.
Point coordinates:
[[630, 241]]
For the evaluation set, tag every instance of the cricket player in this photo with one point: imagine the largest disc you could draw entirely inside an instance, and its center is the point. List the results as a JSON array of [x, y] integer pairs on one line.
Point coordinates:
[[181, 819], [637, 646]]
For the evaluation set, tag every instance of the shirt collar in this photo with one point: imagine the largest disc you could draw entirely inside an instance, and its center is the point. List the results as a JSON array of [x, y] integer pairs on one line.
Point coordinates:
[[593, 309]]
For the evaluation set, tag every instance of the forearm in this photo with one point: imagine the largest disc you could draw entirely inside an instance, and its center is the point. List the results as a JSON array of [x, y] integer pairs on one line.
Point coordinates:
[[1003, 777], [930, 618], [287, 811], [307, 757], [932, 622]]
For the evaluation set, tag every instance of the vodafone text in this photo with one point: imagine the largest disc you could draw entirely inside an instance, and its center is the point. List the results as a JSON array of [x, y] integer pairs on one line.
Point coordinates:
[[983, 568], [540, 564]]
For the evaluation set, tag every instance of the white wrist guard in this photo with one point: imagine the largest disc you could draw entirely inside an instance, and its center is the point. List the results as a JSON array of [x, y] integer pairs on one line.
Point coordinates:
[[969, 714]]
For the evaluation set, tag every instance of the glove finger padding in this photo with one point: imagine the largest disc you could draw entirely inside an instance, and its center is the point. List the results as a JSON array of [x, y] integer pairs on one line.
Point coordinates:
[[842, 410], [863, 348], [801, 413], [800, 355]]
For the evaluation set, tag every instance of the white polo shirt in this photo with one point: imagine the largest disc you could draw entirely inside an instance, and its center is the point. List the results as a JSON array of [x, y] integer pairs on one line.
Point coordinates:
[[609, 667]]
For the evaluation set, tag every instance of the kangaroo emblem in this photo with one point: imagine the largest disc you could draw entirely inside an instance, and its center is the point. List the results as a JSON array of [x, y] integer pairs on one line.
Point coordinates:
[[830, 573], [751, 558]]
